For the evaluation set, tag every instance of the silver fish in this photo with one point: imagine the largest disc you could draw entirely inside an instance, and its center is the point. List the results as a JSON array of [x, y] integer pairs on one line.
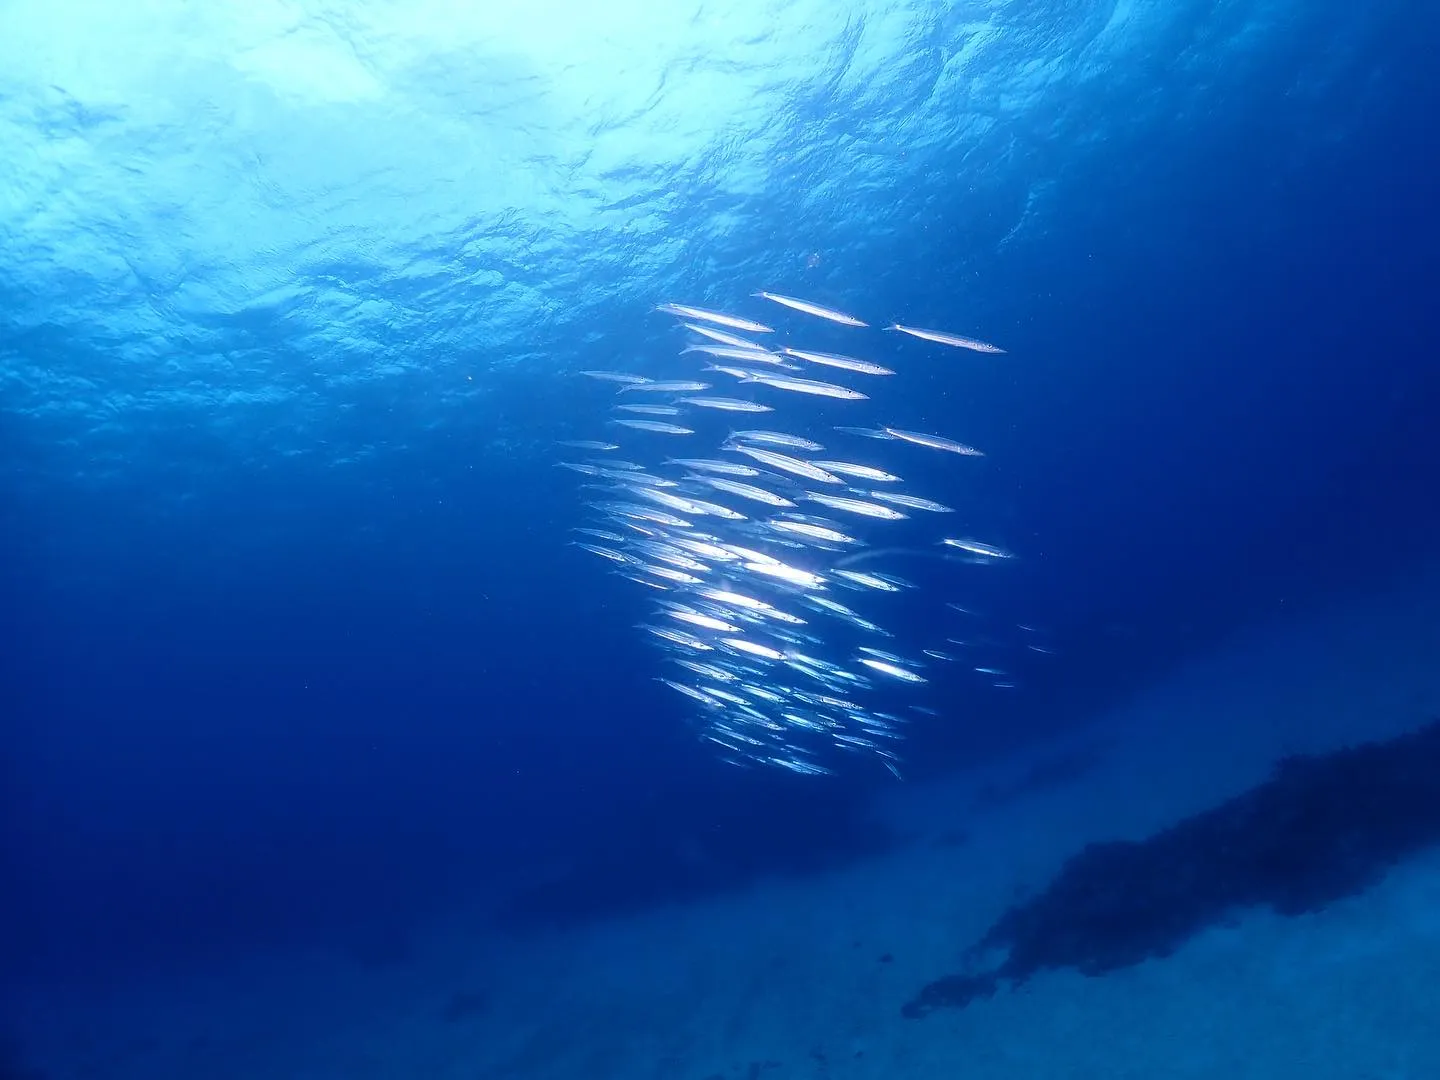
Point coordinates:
[[870, 581], [776, 438], [734, 322], [855, 506], [709, 671], [788, 464], [812, 309], [734, 352], [934, 442], [807, 386], [881, 654], [895, 671], [669, 573], [603, 552], [744, 491], [691, 692], [680, 504], [734, 599], [622, 477], [705, 549], [658, 426], [770, 360], [811, 531], [616, 377], [844, 363], [705, 622], [601, 534], [669, 386], [649, 410], [793, 575], [911, 502], [679, 637], [941, 337], [628, 512], [722, 337], [753, 648], [975, 547], [734, 372], [725, 404], [723, 468], [859, 472]]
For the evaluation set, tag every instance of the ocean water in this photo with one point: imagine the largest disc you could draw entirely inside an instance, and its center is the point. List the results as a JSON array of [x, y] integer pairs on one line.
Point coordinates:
[[328, 752]]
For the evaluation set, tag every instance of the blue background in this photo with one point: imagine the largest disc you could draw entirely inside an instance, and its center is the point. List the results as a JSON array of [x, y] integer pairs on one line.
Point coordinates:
[[297, 649]]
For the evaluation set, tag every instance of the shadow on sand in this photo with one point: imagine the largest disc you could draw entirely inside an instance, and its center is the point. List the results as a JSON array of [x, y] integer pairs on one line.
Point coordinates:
[[1321, 828]]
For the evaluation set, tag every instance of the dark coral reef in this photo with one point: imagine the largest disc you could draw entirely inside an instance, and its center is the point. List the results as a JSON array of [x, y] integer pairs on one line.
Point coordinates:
[[1320, 828]]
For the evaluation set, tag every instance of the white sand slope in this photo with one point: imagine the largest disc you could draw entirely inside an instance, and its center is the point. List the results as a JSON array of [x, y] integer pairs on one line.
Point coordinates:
[[788, 981]]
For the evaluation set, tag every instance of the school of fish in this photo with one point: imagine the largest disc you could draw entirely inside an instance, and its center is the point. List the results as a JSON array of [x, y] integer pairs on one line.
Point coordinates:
[[759, 550]]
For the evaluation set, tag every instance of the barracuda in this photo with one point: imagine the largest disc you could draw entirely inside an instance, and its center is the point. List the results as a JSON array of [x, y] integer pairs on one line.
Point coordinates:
[[774, 671]]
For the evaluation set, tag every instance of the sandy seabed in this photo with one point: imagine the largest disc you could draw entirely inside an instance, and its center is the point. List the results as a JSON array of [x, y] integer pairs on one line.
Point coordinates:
[[805, 979]]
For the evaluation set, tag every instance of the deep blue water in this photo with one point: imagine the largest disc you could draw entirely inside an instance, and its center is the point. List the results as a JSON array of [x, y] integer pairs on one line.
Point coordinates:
[[297, 648]]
